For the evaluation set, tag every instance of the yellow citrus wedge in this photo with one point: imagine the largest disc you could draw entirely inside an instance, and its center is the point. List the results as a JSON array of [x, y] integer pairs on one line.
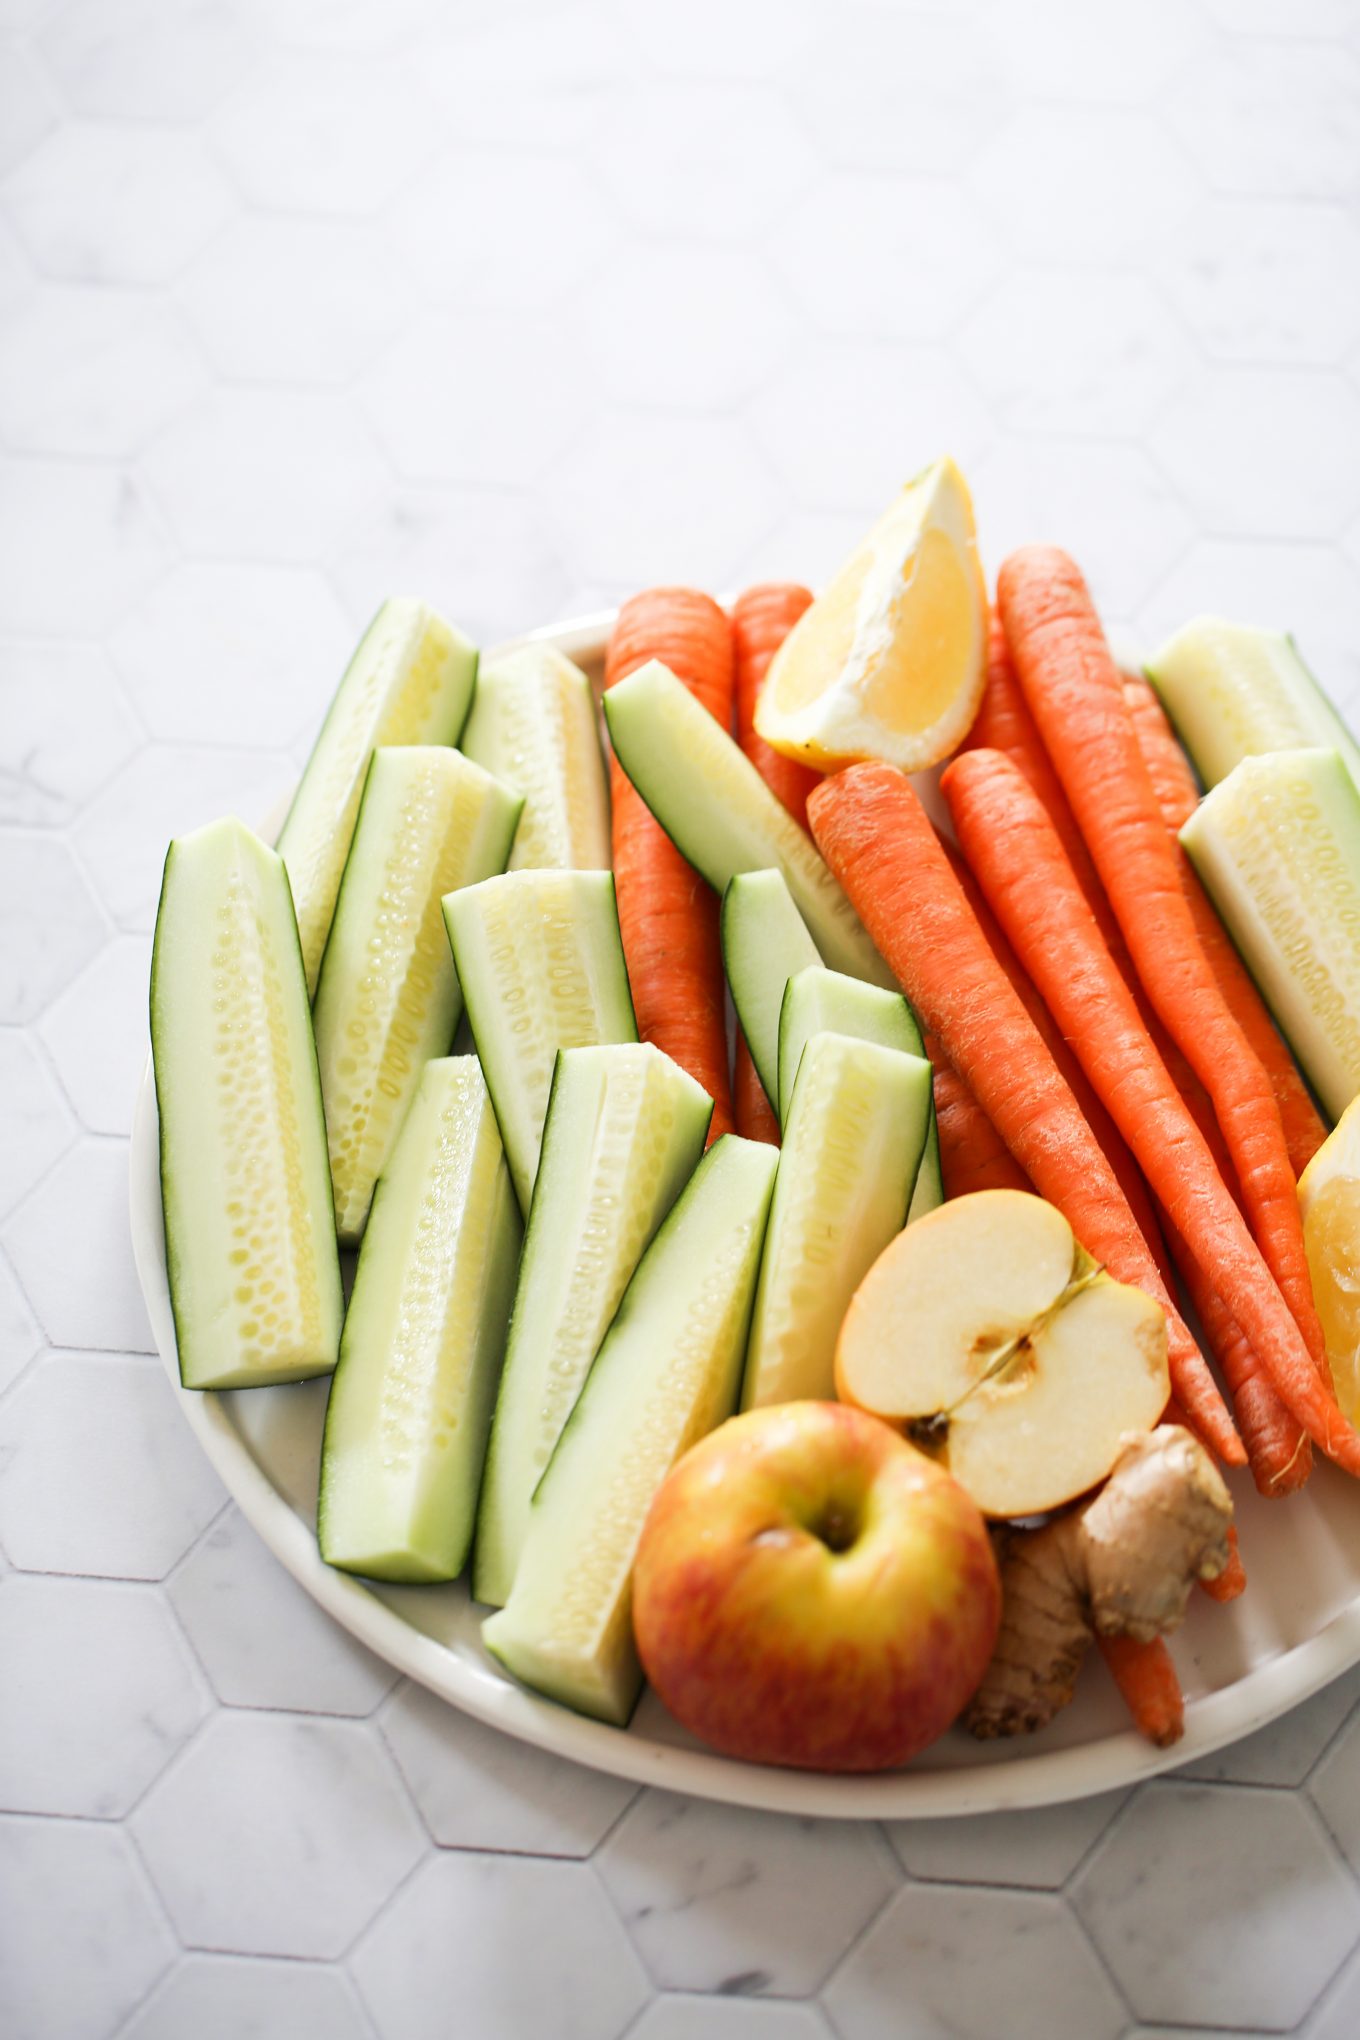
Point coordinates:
[[1329, 1205], [889, 662]]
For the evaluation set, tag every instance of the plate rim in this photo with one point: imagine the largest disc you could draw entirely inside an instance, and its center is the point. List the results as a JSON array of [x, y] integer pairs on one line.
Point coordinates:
[[1043, 1778]]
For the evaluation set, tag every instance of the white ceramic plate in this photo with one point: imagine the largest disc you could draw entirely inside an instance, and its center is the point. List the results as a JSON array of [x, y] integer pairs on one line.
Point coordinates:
[[1297, 1627]]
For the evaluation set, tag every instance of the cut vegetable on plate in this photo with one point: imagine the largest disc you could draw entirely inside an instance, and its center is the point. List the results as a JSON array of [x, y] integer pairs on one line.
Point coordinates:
[[1277, 844], [890, 660], [624, 1131], [533, 725], [1234, 691], [541, 966], [1329, 1204], [245, 1182], [387, 999], [410, 1404], [666, 1374], [409, 682], [765, 943]]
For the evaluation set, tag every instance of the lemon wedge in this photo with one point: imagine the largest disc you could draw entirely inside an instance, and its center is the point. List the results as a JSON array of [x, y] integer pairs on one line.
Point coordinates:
[[1329, 1205], [889, 662]]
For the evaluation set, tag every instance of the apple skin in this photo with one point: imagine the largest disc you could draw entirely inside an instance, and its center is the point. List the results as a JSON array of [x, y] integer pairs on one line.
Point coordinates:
[[770, 1645]]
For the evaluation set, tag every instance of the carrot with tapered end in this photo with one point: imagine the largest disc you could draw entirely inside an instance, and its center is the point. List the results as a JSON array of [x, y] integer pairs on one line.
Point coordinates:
[[1177, 797], [973, 1155], [1232, 1581], [876, 836], [761, 620], [668, 915], [756, 1117], [1146, 1677], [1019, 862], [1076, 696]]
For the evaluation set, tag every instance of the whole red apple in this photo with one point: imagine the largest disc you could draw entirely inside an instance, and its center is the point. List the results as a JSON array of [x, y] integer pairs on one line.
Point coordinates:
[[811, 1590]]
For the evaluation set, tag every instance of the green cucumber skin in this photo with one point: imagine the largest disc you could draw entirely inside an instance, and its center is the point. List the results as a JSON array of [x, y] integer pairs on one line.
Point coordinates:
[[1320, 724], [311, 1077], [486, 741], [765, 942]]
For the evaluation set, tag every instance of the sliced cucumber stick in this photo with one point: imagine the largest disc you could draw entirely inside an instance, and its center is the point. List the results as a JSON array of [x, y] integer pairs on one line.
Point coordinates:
[[852, 1148], [1277, 844], [409, 682], [624, 1131], [765, 942], [541, 965], [1235, 692], [387, 999], [533, 724], [411, 1401], [245, 1186], [720, 814], [666, 1374]]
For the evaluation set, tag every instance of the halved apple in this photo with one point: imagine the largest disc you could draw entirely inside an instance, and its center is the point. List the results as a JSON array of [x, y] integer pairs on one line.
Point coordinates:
[[990, 1337]]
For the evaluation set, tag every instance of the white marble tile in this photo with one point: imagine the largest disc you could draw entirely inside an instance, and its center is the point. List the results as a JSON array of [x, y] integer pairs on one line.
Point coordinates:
[[523, 78], [99, 203], [17, 279], [456, 1936], [89, 370], [98, 1694], [1282, 17], [735, 1902], [1213, 1904], [707, 2018], [81, 1937], [1335, 1790], [78, 1217], [105, 1427], [1267, 281], [897, 89], [64, 730], [478, 1789], [616, 525], [314, 132], [850, 421], [693, 38], [1271, 119], [223, 1997], [139, 60], [264, 1642], [902, 258], [220, 652], [1074, 184], [350, 25], [1103, 54], [1338, 2015], [500, 231], [288, 1800], [52, 929], [52, 513], [1284, 1752], [724, 332], [166, 791], [711, 160], [20, 1338], [28, 111], [335, 289], [1232, 442], [96, 1034], [37, 1124], [1038, 1849], [291, 470], [427, 398], [1072, 352], [970, 1965]]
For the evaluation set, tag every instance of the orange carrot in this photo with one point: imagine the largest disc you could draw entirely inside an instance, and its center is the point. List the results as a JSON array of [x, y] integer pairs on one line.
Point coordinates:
[[1176, 795], [1019, 861], [756, 1117], [1232, 1581], [973, 1155], [668, 916], [761, 620], [1146, 1676], [875, 835], [1076, 697]]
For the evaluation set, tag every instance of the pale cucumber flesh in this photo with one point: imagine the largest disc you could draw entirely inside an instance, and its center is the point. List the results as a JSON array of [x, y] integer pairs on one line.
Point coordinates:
[[624, 1131], [853, 1145], [666, 1374], [411, 1402], [1234, 691], [245, 1184], [540, 961], [765, 942], [720, 814], [1277, 845], [533, 724], [409, 682], [387, 999]]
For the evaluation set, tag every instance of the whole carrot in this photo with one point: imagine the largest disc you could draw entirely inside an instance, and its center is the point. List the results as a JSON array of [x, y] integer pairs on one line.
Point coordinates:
[[756, 1117], [761, 620], [877, 838], [973, 1155], [668, 916], [1076, 697], [1015, 853], [1177, 797], [1146, 1676]]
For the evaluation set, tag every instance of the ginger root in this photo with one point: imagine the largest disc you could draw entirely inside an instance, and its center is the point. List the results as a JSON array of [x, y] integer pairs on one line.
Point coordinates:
[[1121, 1565]]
